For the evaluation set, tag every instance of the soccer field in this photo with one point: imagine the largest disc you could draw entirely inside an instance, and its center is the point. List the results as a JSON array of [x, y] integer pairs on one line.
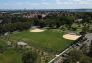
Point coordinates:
[[49, 40]]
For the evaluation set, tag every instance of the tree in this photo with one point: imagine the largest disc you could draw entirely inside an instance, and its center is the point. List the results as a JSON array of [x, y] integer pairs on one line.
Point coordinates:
[[2, 49], [85, 59], [90, 52], [74, 56], [84, 49], [29, 57]]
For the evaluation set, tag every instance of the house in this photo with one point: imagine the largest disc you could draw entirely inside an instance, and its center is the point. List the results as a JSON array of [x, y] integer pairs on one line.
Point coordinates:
[[78, 20]]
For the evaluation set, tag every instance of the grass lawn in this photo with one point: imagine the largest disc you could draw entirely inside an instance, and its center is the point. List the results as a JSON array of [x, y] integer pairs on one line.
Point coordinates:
[[9, 55], [2, 42], [50, 40]]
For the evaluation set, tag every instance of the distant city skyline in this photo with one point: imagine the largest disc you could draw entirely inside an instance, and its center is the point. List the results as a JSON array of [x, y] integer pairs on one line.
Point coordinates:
[[45, 4]]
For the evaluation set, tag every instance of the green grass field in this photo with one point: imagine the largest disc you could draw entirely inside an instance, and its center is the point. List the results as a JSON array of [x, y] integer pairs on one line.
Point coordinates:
[[9, 55], [50, 40]]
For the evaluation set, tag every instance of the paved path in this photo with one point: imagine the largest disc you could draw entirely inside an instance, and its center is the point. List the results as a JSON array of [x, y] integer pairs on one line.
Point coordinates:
[[56, 59], [89, 36]]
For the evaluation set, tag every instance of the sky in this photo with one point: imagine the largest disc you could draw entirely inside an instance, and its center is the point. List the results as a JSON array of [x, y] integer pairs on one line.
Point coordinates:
[[45, 4]]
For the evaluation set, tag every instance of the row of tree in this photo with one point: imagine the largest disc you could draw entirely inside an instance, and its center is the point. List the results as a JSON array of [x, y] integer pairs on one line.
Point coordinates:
[[84, 55], [10, 27], [15, 22]]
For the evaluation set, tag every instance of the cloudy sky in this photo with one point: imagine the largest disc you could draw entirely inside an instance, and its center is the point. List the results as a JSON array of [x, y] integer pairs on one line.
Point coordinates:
[[45, 4]]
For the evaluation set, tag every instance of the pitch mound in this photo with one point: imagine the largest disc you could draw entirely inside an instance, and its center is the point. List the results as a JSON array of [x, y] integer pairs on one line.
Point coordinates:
[[37, 30], [71, 36]]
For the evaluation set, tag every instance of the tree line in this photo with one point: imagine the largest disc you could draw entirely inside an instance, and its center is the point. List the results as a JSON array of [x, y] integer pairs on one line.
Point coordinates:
[[17, 22]]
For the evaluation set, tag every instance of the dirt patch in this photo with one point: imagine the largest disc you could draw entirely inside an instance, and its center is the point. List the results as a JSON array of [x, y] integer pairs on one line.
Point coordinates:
[[71, 36], [37, 30]]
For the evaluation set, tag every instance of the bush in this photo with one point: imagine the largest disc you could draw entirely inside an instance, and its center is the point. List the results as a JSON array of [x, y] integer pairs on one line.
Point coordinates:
[[29, 57]]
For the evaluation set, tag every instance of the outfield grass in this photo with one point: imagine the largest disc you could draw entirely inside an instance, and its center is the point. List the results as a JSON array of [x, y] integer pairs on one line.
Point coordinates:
[[50, 40]]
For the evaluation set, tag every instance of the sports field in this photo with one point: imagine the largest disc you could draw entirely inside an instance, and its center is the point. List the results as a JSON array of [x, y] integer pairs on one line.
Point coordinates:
[[49, 40]]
